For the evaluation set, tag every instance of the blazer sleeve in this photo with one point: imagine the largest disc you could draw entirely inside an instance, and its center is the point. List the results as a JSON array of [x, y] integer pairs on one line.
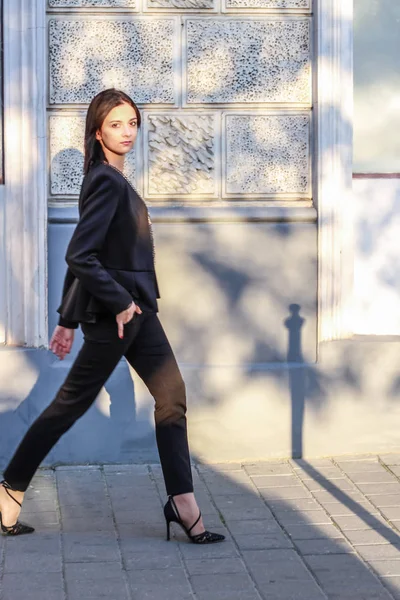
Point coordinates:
[[69, 278], [98, 208]]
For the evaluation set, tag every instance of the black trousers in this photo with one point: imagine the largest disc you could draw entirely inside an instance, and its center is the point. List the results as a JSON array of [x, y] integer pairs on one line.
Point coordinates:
[[148, 351]]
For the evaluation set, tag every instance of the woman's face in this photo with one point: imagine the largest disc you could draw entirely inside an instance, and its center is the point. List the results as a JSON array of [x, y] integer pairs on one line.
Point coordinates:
[[119, 130]]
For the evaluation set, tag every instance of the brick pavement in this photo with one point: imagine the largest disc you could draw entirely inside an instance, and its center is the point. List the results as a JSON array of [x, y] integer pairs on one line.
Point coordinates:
[[296, 530]]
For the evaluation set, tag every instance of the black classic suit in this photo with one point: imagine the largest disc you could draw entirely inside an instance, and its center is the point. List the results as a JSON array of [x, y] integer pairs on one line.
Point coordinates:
[[110, 262]]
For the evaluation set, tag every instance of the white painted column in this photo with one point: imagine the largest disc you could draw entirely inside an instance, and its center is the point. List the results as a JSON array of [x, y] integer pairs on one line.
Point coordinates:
[[25, 203], [333, 107]]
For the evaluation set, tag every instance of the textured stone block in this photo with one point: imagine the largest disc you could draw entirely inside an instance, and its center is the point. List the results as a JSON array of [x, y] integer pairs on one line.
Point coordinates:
[[131, 4], [66, 155], [257, 60], [88, 55], [370, 536], [181, 4], [84, 547], [181, 155], [313, 532], [346, 577], [324, 546], [267, 154], [268, 4]]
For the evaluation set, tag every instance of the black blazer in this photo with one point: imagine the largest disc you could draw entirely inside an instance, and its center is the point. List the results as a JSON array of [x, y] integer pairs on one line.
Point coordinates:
[[110, 256]]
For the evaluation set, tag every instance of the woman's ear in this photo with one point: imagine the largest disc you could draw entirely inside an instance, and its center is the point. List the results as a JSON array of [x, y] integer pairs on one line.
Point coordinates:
[[98, 135]]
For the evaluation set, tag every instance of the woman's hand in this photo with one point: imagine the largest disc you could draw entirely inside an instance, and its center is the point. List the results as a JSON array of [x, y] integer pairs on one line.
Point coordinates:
[[125, 316], [61, 341]]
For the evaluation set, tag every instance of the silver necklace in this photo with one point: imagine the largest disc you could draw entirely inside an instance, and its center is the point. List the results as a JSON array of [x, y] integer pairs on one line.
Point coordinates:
[[147, 210]]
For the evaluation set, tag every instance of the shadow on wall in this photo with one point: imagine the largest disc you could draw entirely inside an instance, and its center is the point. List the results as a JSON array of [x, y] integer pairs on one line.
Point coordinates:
[[245, 319]]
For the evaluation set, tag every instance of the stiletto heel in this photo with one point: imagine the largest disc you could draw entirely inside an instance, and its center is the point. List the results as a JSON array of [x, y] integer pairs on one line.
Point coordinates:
[[18, 528], [172, 515]]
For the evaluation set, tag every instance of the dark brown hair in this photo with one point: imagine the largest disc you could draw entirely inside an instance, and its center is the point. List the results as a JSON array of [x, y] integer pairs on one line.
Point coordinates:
[[98, 110]]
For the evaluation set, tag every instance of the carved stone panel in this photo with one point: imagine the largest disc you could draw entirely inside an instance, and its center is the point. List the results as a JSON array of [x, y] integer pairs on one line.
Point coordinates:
[[181, 159], [243, 60], [89, 55], [66, 155], [267, 154], [181, 4], [92, 3], [269, 4]]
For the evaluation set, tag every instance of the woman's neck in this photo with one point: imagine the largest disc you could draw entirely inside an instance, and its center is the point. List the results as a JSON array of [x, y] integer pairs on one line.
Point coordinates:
[[115, 160]]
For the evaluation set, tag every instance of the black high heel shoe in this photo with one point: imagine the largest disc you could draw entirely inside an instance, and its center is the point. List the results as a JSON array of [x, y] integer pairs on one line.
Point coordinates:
[[18, 528], [172, 515]]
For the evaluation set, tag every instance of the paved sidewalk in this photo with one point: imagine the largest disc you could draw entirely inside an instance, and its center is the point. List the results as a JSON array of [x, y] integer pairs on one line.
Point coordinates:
[[296, 530]]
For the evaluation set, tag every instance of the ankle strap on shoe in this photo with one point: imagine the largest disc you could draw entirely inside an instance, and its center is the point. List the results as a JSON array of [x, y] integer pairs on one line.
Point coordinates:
[[8, 487], [195, 523]]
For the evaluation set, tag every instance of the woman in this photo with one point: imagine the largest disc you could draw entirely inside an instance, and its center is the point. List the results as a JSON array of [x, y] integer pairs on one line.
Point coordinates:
[[111, 290]]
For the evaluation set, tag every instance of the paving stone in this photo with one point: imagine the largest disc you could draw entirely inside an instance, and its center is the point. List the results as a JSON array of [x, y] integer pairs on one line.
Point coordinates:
[[262, 541], [220, 467], [379, 552], [367, 537], [236, 485], [90, 547], [346, 577], [222, 582], [38, 506], [390, 459], [84, 525], [268, 566], [224, 549], [395, 470], [32, 553], [270, 557], [391, 512], [283, 493], [124, 469], [41, 521], [348, 497], [297, 517], [393, 586], [245, 594], [362, 510], [301, 463], [266, 468], [298, 590], [357, 466], [237, 501], [135, 557], [373, 489], [267, 481], [324, 546], [354, 458], [84, 512], [329, 486], [372, 477], [385, 500], [100, 588], [92, 570], [138, 516], [358, 523], [327, 473], [298, 504], [204, 566], [313, 532], [230, 514], [162, 584], [253, 527], [32, 586], [385, 568]]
